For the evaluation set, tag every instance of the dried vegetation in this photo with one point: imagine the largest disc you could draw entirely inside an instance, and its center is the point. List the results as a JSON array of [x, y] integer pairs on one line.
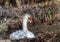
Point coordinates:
[[45, 14]]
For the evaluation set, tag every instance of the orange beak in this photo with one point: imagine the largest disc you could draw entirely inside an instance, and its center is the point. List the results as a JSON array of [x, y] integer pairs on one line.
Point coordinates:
[[29, 20]]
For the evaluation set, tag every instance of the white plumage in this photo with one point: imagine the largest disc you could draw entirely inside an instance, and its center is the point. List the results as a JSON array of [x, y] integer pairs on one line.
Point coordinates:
[[21, 34]]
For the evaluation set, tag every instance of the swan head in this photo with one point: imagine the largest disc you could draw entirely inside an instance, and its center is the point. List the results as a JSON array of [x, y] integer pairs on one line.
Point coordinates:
[[28, 17]]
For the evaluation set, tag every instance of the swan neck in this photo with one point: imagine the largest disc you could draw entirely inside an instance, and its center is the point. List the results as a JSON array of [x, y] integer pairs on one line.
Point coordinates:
[[25, 24]]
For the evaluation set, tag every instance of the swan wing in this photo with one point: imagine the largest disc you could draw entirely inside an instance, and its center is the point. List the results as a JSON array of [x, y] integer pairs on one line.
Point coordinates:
[[17, 35], [30, 35]]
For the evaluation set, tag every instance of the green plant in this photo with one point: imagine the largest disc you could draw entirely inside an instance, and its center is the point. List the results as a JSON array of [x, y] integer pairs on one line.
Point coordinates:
[[49, 14]]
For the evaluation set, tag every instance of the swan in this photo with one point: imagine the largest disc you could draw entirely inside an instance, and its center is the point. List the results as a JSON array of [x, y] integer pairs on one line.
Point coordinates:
[[25, 33]]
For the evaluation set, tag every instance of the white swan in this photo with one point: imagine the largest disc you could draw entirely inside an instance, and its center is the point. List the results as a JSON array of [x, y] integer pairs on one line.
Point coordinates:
[[21, 34]]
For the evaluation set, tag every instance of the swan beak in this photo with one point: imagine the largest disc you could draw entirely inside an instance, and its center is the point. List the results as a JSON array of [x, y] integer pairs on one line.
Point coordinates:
[[30, 20]]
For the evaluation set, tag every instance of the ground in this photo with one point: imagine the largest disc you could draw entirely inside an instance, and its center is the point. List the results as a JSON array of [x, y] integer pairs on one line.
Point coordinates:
[[45, 25]]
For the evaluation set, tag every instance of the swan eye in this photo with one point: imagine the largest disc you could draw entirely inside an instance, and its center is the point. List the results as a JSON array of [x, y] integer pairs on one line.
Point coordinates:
[[29, 20]]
